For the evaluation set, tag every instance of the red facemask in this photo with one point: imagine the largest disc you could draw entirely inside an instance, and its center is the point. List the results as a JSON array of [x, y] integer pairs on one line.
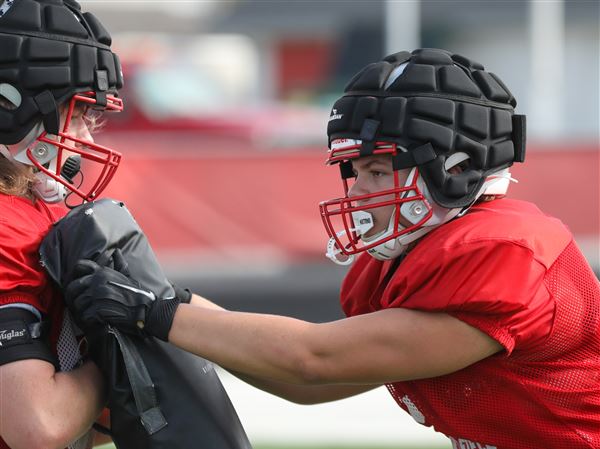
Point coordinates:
[[344, 218], [100, 161]]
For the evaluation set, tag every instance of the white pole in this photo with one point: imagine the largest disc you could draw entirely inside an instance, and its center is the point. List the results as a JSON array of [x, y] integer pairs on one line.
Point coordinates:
[[402, 25], [546, 87]]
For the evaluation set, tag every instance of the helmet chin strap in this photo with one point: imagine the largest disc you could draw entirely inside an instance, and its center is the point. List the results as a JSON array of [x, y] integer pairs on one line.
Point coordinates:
[[363, 222], [335, 254], [47, 189]]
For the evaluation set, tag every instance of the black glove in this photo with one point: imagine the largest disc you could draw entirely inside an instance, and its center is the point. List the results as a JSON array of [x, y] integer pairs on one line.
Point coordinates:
[[100, 295], [183, 294]]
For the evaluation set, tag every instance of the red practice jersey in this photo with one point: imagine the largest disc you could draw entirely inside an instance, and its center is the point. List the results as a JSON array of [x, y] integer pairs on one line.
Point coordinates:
[[516, 274], [23, 225]]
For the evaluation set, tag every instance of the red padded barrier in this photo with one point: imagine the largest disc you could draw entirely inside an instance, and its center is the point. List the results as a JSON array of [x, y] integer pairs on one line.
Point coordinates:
[[245, 203]]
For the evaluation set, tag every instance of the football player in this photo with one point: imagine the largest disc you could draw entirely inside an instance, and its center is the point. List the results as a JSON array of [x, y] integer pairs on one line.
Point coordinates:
[[57, 72], [478, 312]]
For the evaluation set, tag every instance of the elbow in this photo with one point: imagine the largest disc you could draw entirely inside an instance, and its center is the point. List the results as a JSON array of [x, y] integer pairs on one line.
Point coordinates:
[[310, 369], [38, 433], [311, 362], [31, 439], [53, 434]]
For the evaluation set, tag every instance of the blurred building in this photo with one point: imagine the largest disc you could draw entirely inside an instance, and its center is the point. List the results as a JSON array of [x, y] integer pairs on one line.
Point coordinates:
[[305, 51]]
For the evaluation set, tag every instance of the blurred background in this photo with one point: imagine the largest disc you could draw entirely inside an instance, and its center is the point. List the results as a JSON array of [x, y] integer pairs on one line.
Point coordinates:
[[224, 141]]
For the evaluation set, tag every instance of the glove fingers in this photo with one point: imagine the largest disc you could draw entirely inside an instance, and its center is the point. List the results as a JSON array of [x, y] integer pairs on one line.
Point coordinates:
[[90, 319], [119, 262], [77, 287], [83, 267], [105, 259], [107, 296]]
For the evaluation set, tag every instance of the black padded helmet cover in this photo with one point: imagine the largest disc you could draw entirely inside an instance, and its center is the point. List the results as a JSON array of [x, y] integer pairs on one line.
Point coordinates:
[[49, 51], [442, 101]]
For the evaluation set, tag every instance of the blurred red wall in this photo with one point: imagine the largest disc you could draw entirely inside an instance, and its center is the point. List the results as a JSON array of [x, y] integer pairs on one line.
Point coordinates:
[[237, 204]]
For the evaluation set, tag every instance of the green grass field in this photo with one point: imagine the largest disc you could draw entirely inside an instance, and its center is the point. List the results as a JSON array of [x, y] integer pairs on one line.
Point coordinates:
[[110, 446], [346, 447]]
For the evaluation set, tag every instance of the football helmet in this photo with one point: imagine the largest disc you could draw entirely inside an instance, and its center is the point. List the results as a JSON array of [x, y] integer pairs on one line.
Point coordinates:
[[56, 61], [445, 122]]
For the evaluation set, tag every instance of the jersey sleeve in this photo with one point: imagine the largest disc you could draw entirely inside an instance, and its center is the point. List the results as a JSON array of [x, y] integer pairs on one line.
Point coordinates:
[[495, 286], [22, 279]]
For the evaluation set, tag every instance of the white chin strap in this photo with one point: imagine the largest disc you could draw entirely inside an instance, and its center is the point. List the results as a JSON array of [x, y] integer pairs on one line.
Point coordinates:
[[48, 189], [363, 222], [335, 254], [45, 187]]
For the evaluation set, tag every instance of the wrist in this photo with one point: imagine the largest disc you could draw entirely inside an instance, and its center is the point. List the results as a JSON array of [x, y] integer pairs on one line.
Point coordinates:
[[184, 294], [160, 318]]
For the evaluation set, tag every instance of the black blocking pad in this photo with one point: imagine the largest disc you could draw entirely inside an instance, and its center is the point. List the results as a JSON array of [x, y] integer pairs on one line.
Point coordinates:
[[160, 397]]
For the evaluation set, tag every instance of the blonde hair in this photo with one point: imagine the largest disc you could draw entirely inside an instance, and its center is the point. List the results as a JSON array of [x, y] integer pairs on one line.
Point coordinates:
[[94, 120], [16, 179]]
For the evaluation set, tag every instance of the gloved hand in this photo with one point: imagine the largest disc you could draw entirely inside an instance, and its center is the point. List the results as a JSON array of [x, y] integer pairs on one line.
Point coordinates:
[[101, 295]]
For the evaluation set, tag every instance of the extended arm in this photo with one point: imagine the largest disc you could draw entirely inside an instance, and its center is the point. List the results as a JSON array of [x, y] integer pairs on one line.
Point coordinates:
[[385, 346]]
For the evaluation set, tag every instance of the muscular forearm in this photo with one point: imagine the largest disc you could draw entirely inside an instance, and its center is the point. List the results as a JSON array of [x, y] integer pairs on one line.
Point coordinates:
[[300, 394], [238, 341], [375, 348]]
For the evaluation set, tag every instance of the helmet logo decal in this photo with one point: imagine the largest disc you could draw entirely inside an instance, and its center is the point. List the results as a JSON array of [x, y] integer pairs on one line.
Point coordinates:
[[335, 115]]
